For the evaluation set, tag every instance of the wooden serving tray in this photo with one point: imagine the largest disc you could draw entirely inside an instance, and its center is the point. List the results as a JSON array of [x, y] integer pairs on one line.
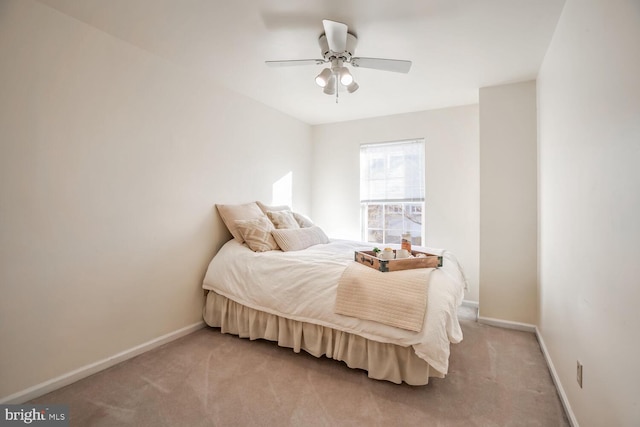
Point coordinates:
[[370, 259]]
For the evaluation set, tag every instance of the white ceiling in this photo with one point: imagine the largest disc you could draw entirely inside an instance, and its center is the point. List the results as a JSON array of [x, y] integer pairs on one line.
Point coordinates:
[[457, 46]]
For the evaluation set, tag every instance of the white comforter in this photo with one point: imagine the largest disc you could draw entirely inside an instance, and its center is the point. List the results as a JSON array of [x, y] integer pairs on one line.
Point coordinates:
[[302, 285]]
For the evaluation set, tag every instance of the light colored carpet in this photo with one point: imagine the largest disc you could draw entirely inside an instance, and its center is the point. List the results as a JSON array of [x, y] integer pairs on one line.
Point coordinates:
[[497, 377]]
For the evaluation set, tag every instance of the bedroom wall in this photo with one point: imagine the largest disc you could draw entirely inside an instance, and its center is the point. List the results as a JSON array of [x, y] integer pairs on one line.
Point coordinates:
[[111, 161], [589, 138], [452, 189], [508, 203]]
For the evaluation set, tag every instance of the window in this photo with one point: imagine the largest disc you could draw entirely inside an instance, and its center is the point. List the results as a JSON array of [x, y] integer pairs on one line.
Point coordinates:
[[392, 191]]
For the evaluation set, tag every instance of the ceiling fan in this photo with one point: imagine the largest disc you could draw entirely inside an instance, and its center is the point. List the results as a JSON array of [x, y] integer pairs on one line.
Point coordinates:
[[337, 47]]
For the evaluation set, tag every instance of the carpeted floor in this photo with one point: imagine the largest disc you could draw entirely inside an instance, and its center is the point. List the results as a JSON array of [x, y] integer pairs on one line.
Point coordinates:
[[497, 377]]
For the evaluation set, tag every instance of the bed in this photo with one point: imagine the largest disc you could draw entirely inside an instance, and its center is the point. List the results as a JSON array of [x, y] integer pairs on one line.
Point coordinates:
[[289, 296]]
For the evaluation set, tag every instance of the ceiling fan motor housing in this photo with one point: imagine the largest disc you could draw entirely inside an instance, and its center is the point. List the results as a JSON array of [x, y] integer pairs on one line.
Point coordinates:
[[328, 54]]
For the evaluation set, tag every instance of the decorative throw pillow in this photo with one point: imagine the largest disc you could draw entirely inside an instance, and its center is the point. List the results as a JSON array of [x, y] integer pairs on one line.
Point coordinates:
[[266, 208], [231, 213], [257, 234], [302, 220], [283, 219], [295, 239]]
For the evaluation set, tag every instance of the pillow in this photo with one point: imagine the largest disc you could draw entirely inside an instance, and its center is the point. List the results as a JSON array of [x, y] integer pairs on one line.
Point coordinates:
[[283, 219], [231, 213], [257, 233], [302, 220], [266, 208], [295, 239]]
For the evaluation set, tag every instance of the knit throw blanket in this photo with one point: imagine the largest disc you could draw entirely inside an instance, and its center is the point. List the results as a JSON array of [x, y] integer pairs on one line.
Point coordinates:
[[396, 298]]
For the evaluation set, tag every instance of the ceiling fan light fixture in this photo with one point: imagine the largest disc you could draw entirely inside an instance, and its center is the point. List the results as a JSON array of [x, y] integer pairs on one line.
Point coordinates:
[[345, 76], [324, 77], [352, 87]]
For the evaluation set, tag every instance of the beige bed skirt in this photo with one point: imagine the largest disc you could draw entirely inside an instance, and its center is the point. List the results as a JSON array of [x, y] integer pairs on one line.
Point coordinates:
[[382, 361]]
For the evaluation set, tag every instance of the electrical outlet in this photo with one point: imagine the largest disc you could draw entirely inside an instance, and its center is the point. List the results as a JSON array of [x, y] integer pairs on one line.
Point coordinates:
[[579, 374]]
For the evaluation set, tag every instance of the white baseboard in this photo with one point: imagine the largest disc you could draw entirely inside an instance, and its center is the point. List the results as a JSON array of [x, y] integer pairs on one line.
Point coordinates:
[[85, 371], [556, 380], [507, 324], [472, 304]]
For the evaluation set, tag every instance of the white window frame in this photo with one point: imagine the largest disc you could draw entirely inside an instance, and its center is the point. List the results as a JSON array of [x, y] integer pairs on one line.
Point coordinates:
[[417, 198]]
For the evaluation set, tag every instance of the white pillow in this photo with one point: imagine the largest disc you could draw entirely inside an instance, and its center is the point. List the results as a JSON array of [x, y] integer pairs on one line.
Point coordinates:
[[283, 219], [266, 208], [257, 234], [302, 220], [295, 239], [231, 213]]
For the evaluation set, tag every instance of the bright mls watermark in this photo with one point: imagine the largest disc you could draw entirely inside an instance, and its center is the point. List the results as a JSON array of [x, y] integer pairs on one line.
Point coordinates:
[[34, 415]]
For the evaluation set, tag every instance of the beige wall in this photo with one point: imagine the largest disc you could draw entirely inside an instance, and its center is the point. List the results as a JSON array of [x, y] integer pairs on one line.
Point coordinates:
[[111, 160], [452, 189], [508, 203], [589, 137]]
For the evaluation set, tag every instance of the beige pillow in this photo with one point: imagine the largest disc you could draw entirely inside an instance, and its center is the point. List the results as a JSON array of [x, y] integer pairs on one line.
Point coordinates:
[[295, 239], [302, 220], [257, 233], [232, 213], [266, 208], [283, 219]]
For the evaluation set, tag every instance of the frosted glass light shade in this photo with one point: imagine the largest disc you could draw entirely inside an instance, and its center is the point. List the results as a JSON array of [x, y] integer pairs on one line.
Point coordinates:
[[345, 76], [352, 87], [330, 88], [323, 78]]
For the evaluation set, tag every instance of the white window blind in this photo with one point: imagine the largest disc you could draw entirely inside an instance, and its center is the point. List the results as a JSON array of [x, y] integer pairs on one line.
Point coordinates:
[[392, 172]]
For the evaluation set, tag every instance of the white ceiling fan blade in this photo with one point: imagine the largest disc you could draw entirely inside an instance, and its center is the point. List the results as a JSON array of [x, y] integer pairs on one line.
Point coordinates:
[[336, 33], [395, 65], [294, 62]]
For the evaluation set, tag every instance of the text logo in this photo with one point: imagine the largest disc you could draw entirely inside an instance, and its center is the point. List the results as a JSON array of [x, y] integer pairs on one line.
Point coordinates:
[[34, 415]]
